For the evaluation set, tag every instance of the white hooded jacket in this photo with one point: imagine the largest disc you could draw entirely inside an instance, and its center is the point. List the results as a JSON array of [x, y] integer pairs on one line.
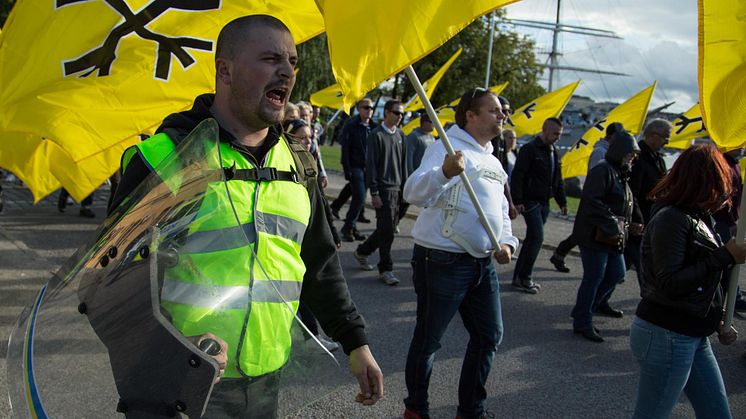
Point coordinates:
[[448, 220]]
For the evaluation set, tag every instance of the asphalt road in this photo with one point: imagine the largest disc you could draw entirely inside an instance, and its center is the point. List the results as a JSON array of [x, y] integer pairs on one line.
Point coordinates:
[[541, 369]]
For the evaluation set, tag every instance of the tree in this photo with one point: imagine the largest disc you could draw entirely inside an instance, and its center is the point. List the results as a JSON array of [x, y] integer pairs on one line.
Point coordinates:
[[314, 68], [5, 6]]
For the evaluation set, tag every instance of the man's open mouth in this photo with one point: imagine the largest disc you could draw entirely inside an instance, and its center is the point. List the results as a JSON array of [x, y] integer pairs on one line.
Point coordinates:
[[277, 96]]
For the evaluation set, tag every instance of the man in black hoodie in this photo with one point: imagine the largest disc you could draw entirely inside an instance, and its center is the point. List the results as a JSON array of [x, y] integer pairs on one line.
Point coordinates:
[[255, 60]]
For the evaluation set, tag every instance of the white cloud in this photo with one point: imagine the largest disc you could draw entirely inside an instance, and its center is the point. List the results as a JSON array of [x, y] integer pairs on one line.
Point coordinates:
[[660, 43]]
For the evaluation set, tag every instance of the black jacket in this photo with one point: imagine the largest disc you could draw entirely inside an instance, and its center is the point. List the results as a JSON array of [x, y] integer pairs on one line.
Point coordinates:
[[683, 261], [324, 287], [354, 143], [532, 180], [647, 171], [606, 203]]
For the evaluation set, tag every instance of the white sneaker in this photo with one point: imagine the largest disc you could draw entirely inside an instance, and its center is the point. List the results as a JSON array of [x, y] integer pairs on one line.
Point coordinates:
[[363, 261], [388, 278], [330, 345]]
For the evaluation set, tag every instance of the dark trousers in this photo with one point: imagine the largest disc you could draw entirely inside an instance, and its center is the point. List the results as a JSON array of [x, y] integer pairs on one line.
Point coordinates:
[[244, 398], [342, 198], [386, 219], [726, 232], [64, 194], [633, 255], [307, 317], [357, 188], [535, 215], [564, 247], [446, 282], [602, 270]]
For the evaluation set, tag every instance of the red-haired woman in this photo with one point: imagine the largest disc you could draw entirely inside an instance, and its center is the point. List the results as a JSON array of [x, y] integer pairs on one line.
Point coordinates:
[[683, 260]]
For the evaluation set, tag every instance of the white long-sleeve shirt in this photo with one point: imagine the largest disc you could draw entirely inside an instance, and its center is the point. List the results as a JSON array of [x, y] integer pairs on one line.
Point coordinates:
[[428, 188]]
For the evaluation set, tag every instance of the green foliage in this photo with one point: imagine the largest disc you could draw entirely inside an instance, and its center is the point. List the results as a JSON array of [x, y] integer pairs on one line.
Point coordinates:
[[5, 6], [314, 68]]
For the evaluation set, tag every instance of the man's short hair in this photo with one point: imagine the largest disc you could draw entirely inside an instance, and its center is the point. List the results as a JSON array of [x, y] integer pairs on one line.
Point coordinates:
[[613, 128], [364, 101], [389, 105], [555, 120], [424, 117], [236, 32], [470, 101], [304, 105], [657, 126]]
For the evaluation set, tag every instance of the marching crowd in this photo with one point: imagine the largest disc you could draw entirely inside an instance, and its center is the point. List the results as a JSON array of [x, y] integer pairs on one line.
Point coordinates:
[[634, 213], [681, 257]]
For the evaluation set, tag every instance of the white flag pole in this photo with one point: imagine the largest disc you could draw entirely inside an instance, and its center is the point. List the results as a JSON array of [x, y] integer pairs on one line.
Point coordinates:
[[443, 137], [730, 304]]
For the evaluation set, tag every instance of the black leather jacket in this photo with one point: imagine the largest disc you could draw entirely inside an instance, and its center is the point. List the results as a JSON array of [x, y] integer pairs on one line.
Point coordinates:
[[532, 179], [606, 203], [683, 261]]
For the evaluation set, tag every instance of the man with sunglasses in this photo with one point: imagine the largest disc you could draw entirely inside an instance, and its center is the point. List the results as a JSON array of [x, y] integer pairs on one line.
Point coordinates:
[[354, 148], [386, 172]]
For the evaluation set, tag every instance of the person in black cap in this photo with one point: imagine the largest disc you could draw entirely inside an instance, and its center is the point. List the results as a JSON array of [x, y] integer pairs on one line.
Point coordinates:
[[597, 155]]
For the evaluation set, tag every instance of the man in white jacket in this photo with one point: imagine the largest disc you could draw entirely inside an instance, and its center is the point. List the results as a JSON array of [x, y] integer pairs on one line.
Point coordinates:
[[452, 260]]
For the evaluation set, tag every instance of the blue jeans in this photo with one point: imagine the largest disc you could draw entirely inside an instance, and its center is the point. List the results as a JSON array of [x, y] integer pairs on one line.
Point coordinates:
[[602, 270], [446, 282], [535, 215], [670, 363], [357, 184]]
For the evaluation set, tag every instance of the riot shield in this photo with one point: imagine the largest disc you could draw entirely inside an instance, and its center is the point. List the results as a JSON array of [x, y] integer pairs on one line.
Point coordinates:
[[103, 337]]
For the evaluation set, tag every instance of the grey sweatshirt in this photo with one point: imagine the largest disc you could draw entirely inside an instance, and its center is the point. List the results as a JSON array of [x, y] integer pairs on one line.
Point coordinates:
[[385, 168]]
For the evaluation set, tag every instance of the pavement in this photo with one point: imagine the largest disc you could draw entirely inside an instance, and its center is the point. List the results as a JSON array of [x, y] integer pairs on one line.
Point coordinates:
[[540, 370]]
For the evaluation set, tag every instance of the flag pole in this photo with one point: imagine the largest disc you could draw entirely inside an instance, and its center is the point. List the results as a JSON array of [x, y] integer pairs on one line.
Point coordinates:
[[489, 50], [730, 303], [444, 138]]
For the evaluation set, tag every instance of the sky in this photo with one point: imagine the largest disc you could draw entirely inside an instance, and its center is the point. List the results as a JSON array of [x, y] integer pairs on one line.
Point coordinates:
[[659, 43]]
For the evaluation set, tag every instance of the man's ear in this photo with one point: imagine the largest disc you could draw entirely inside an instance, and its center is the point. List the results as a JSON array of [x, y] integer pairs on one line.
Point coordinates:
[[223, 71]]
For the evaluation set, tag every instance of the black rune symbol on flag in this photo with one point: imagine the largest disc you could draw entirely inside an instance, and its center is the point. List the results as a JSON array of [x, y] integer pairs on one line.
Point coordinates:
[[101, 58]]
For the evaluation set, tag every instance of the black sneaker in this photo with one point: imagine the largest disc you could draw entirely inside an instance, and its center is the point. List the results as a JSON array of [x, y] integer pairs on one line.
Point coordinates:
[[591, 334], [61, 203], [559, 263], [86, 212], [608, 311], [362, 219], [335, 213], [347, 236], [358, 235], [527, 286]]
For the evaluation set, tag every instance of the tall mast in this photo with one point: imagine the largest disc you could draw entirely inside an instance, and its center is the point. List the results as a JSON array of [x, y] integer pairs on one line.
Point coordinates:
[[554, 54], [553, 65]]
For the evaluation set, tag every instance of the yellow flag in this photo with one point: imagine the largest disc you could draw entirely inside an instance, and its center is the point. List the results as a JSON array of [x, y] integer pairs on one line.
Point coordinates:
[[686, 127], [722, 70], [88, 76], [331, 97], [25, 155], [631, 114], [431, 84], [528, 119], [371, 41]]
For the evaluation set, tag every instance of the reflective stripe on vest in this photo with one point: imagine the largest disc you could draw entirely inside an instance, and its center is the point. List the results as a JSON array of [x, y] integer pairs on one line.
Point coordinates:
[[231, 297], [218, 285]]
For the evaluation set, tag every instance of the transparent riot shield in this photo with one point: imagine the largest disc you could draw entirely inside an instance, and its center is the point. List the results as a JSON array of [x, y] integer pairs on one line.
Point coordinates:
[[118, 329]]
